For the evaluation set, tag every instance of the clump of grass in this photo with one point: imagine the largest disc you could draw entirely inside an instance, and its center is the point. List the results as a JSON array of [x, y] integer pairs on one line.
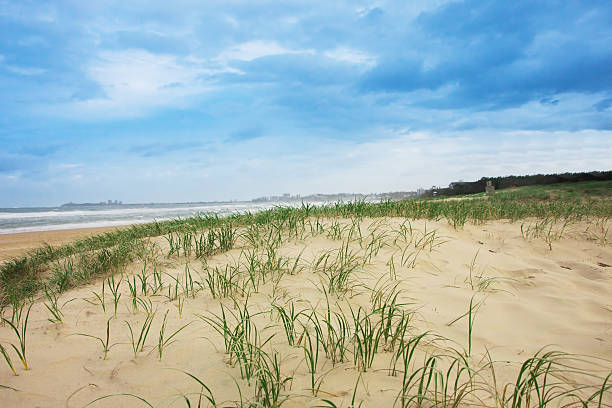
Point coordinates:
[[206, 244], [394, 321], [337, 271], [452, 386], [223, 282], [405, 353], [289, 317], [188, 282], [146, 304], [311, 356], [546, 228], [599, 229], [139, 343], [62, 274], [158, 283], [53, 305], [316, 227], [479, 282], [429, 239], [114, 286], [333, 332], [377, 242], [421, 379], [173, 294], [101, 297], [366, 338], [242, 340], [404, 233], [208, 395], [543, 380], [335, 230], [270, 381], [133, 293], [409, 257], [19, 326], [143, 278]]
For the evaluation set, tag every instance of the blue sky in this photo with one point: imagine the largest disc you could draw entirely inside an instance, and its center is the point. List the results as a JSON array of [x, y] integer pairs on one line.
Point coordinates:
[[146, 101]]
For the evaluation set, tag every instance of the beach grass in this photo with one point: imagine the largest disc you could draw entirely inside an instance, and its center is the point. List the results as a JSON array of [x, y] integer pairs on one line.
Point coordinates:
[[100, 255], [353, 316]]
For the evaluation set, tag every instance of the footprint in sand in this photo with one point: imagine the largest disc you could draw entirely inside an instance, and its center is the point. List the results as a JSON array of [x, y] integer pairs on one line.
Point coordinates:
[[586, 271]]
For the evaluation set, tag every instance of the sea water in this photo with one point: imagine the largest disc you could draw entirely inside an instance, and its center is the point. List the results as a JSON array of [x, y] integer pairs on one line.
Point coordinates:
[[14, 220]]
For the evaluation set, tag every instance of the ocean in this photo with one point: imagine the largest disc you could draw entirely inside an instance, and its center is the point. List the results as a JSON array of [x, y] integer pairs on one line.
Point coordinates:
[[14, 220]]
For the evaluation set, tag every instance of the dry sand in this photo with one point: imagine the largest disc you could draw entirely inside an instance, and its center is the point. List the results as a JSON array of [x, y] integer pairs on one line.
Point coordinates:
[[560, 298], [18, 244]]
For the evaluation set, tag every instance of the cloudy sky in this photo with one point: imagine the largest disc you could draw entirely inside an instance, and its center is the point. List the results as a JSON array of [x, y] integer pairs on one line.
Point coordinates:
[[188, 100]]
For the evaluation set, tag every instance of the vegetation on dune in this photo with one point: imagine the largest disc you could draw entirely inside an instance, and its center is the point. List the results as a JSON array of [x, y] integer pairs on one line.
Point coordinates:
[[375, 336], [69, 265]]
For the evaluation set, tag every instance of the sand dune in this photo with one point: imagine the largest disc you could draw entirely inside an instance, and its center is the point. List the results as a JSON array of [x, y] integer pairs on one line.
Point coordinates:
[[525, 296]]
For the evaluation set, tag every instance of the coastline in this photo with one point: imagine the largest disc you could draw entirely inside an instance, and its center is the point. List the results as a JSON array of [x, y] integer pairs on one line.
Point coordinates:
[[481, 295], [19, 243]]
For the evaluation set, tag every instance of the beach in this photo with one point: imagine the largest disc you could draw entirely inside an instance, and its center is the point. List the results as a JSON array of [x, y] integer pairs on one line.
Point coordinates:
[[371, 204], [482, 296], [18, 244]]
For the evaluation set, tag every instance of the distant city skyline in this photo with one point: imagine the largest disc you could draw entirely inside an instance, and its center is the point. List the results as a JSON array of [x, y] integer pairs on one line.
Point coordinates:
[[216, 101]]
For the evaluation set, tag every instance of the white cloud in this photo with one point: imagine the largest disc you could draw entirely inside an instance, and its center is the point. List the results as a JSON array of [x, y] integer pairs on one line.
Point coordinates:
[[252, 50], [69, 165], [351, 56], [409, 160], [423, 159], [27, 71], [136, 81], [363, 11], [139, 72]]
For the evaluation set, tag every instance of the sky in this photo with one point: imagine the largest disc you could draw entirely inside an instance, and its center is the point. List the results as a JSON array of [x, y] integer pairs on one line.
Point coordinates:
[[176, 101]]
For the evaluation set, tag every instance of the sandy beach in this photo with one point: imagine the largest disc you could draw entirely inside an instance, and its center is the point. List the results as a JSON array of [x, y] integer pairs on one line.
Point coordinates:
[[525, 297], [18, 244]]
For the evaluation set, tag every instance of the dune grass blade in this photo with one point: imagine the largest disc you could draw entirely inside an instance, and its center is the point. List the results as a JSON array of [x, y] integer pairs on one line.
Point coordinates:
[[311, 356], [208, 396], [162, 341], [144, 401], [138, 344], [366, 338], [106, 346], [7, 358], [53, 306], [289, 317], [21, 333]]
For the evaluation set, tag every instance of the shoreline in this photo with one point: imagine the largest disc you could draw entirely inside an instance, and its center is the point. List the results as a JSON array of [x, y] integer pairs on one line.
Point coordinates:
[[19, 243]]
